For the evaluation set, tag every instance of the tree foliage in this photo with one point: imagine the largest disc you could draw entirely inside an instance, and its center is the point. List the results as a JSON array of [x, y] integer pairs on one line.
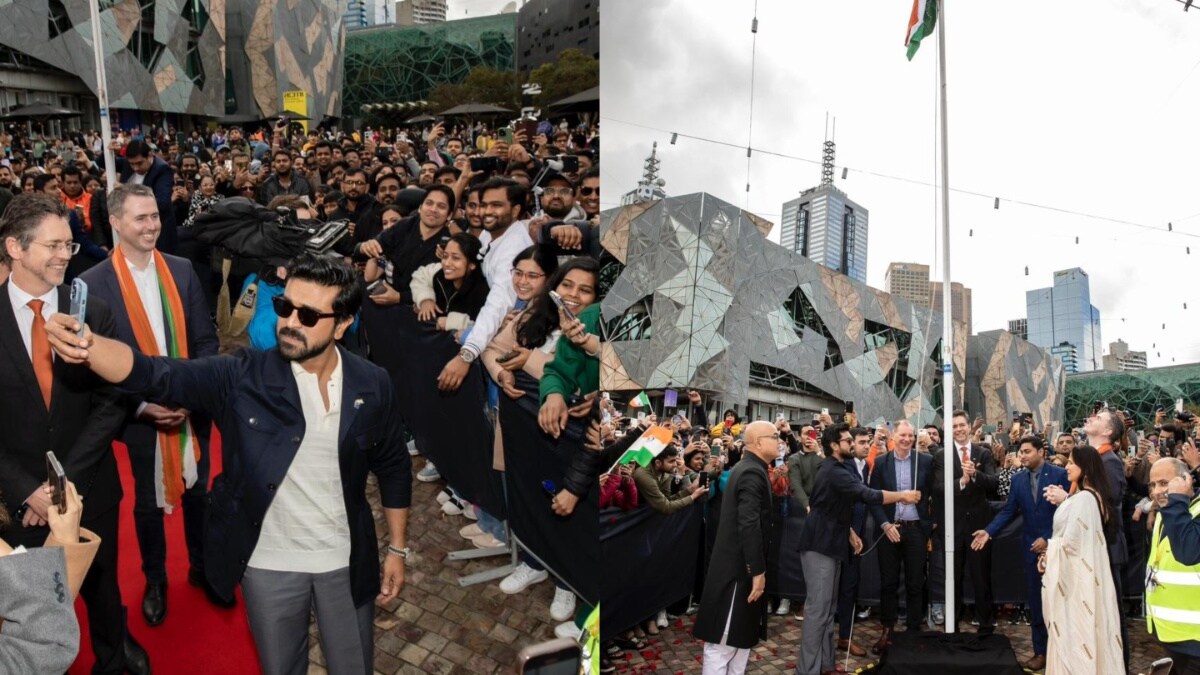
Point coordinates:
[[572, 73], [482, 85]]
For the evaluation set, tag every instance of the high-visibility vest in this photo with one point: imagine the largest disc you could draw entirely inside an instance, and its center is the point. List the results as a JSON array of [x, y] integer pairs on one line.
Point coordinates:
[[1172, 589]]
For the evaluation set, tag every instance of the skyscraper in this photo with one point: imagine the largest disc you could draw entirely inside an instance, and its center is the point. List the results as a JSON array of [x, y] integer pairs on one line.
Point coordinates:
[[420, 12], [1062, 315], [825, 226], [1120, 358], [1019, 327]]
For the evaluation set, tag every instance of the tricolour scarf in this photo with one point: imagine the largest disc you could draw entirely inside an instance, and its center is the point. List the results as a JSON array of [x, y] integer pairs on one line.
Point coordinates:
[[178, 452]]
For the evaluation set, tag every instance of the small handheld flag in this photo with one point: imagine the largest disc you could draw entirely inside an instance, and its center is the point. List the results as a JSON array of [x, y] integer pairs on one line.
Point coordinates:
[[640, 401], [647, 447]]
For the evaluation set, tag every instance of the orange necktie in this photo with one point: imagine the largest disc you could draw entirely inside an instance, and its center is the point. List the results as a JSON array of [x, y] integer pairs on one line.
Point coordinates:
[[965, 458], [43, 364]]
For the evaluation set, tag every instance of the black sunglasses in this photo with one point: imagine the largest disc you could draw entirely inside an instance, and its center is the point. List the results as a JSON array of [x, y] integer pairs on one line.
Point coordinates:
[[587, 191], [308, 316]]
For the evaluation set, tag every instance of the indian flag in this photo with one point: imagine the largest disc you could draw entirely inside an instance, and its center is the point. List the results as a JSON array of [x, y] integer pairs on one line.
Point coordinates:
[[647, 447], [920, 24], [640, 401]]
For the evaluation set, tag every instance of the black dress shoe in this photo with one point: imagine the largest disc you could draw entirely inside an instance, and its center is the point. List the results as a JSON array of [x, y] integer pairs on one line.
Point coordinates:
[[154, 603], [137, 661], [196, 578]]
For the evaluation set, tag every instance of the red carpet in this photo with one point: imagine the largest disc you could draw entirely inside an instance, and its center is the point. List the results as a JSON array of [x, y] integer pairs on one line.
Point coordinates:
[[196, 637]]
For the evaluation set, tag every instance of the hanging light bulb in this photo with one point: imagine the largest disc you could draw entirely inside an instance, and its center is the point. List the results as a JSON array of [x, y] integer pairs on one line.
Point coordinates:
[[674, 137], [1027, 270], [754, 25], [971, 232], [1076, 240], [996, 205], [845, 172], [747, 152], [1170, 227]]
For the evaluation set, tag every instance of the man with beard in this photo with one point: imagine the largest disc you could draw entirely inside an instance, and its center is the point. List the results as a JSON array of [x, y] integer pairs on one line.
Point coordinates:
[[302, 425], [358, 206], [826, 540], [426, 177], [324, 152], [283, 180], [558, 198], [6, 187], [134, 282]]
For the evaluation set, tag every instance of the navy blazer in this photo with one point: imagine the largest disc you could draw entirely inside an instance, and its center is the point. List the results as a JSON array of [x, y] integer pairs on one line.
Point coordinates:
[[826, 529], [161, 179], [883, 477], [201, 334], [1037, 516], [253, 397]]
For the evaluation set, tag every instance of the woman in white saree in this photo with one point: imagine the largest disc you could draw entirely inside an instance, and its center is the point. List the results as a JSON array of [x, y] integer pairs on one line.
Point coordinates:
[[1078, 597]]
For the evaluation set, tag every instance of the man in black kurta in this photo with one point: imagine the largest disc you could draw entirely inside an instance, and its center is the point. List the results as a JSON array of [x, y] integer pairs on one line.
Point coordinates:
[[732, 616]]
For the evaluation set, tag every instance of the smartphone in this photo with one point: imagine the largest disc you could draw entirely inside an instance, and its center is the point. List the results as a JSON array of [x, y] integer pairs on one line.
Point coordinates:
[[677, 419], [561, 656], [57, 479], [987, 439], [1141, 435], [506, 135], [849, 406], [376, 287], [79, 294], [229, 165], [486, 164], [824, 411], [703, 479], [507, 357], [641, 415], [561, 305], [1162, 666]]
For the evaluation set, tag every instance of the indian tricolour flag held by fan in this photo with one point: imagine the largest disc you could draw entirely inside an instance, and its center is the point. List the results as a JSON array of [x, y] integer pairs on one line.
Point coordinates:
[[646, 447], [920, 24], [640, 401]]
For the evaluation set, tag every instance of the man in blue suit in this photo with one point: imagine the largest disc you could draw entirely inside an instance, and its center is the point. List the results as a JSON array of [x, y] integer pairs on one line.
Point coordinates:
[[1037, 524], [906, 529], [134, 216], [302, 425], [140, 166]]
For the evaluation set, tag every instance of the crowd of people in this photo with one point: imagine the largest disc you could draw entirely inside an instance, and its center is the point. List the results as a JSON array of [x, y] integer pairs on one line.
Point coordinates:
[[467, 281], [1108, 531]]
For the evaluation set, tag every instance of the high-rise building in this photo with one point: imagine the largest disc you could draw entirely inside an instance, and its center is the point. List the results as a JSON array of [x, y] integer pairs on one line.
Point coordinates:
[[355, 15], [911, 282], [1122, 359], [1063, 314], [827, 227], [1019, 327], [420, 12], [547, 27]]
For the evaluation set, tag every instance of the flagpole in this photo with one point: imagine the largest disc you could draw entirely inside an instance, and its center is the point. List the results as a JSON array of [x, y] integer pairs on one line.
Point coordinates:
[[110, 170], [947, 333]]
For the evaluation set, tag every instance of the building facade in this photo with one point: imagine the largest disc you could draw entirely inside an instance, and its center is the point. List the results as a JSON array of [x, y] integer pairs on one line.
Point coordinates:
[[827, 227], [1019, 327], [403, 64], [1140, 392], [547, 27], [1121, 359], [697, 296], [960, 302], [910, 281], [1063, 314], [420, 12]]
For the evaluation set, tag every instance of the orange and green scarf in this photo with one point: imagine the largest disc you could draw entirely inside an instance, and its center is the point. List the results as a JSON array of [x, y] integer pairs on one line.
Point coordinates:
[[178, 452]]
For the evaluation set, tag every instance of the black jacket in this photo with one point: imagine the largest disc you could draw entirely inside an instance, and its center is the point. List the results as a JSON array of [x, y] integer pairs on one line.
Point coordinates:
[[971, 509], [883, 477], [740, 554], [467, 300], [254, 399]]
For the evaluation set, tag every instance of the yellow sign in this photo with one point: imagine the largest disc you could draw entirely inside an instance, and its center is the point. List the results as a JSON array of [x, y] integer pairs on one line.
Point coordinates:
[[297, 102]]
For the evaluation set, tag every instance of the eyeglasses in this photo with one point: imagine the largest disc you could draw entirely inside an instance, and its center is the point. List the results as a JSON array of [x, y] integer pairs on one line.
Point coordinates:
[[308, 316], [70, 247], [531, 276], [358, 183], [587, 191], [563, 191]]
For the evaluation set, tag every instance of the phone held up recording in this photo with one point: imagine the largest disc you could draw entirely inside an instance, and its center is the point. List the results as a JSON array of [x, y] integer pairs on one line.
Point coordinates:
[[79, 294]]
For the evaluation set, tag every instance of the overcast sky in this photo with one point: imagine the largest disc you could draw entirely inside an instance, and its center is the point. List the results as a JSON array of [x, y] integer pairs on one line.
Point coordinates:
[[1085, 107], [468, 9]]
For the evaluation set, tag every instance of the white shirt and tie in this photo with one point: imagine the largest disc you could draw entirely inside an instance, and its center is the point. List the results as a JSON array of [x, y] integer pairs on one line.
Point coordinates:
[[24, 313]]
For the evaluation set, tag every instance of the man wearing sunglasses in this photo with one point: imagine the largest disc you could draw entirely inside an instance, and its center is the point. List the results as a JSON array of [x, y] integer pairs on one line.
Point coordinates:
[[302, 425]]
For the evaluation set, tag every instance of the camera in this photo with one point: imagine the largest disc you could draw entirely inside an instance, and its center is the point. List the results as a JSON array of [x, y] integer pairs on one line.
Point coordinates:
[[486, 164], [570, 163]]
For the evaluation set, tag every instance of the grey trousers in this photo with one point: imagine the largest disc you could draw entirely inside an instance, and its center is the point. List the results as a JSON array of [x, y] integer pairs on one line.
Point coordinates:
[[816, 640], [278, 606]]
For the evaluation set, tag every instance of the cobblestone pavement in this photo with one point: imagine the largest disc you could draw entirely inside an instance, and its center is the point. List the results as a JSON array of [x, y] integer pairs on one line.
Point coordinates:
[[437, 626], [675, 651]]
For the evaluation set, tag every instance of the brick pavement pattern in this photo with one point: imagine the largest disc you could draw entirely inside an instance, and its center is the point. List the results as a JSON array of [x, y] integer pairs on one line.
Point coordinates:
[[675, 651], [435, 625]]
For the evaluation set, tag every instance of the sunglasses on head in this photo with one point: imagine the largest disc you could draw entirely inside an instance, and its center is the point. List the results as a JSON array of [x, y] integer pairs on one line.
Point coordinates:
[[308, 316]]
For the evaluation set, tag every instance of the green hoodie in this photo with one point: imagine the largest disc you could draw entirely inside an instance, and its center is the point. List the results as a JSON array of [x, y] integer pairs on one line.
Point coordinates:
[[572, 370]]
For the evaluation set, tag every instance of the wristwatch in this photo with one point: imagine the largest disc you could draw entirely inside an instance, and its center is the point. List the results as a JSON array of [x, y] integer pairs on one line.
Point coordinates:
[[402, 552], [466, 355]]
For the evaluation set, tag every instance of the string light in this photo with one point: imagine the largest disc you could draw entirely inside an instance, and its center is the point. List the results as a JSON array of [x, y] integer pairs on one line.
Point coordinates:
[[674, 137], [997, 204]]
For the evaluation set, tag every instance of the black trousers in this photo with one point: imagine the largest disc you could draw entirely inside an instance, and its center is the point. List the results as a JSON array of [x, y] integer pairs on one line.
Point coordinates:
[[979, 565], [101, 596], [1118, 575], [911, 553], [1184, 664], [847, 594], [148, 517]]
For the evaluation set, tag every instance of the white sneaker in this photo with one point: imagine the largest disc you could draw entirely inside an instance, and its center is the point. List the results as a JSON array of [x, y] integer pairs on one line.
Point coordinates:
[[429, 473], [486, 540], [521, 578], [469, 511], [785, 606], [470, 532], [444, 496], [563, 606], [567, 630], [412, 448], [452, 507], [661, 619]]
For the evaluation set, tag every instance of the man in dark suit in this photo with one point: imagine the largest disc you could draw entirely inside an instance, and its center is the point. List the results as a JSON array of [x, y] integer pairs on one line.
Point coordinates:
[[848, 584], [1037, 524], [906, 529], [826, 541], [53, 405], [140, 166], [732, 617], [974, 477], [138, 301], [302, 424]]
